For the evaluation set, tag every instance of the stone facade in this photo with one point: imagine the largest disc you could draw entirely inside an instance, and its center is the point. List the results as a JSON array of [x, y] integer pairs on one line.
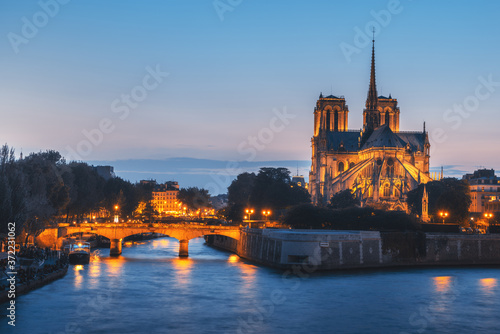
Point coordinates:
[[378, 163]]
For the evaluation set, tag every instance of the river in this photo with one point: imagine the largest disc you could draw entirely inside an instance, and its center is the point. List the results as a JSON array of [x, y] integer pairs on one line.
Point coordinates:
[[148, 289]]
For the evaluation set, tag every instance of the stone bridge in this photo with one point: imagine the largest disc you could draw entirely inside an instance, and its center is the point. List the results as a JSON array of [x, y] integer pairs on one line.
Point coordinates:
[[52, 237]]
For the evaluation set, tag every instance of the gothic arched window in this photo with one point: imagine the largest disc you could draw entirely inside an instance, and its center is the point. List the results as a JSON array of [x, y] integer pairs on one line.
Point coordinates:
[[387, 119], [341, 167], [336, 121], [390, 167], [387, 190]]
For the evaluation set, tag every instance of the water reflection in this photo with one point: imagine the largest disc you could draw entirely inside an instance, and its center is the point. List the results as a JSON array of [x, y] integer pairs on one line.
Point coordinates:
[[160, 243], [182, 267], [233, 258], [94, 270], [442, 283], [488, 285], [248, 275], [115, 265], [78, 276]]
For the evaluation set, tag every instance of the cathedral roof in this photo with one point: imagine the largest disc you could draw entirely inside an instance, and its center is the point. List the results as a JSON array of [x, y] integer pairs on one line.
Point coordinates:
[[343, 140], [416, 139], [383, 137]]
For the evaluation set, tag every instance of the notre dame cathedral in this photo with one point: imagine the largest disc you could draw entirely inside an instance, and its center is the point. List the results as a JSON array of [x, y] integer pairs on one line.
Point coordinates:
[[379, 163]]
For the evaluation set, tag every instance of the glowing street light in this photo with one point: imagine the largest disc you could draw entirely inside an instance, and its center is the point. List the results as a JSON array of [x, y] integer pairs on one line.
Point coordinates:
[[249, 213], [443, 215], [488, 215], [117, 218], [266, 213]]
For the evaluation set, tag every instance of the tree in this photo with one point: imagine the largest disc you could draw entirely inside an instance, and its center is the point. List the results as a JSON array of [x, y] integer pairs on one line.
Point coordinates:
[[194, 198], [270, 189], [240, 189], [149, 212], [449, 194], [344, 199], [273, 189], [352, 218]]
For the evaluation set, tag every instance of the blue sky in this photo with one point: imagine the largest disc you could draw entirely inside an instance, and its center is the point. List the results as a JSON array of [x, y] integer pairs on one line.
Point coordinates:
[[229, 78]]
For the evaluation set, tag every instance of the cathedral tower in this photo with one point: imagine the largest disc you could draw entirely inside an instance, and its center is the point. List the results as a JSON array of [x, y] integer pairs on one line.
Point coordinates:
[[371, 114], [330, 114]]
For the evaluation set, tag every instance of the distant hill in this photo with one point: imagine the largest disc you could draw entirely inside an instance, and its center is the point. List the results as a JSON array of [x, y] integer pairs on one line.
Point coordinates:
[[215, 175]]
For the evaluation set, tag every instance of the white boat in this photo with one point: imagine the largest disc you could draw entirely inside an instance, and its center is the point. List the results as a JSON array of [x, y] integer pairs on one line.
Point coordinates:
[[79, 253]]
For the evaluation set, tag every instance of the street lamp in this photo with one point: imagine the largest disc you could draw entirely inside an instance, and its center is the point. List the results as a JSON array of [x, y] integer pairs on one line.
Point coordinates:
[[249, 213], [443, 215], [117, 219], [266, 213]]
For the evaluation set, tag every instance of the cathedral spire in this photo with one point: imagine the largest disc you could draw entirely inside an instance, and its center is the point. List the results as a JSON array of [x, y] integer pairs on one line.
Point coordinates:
[[371, 100]]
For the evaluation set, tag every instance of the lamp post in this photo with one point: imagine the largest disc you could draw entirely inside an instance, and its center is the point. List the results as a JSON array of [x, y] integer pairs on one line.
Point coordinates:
[[249, 213], [488, 216], [443, 215], [117, 218], [266, 213]]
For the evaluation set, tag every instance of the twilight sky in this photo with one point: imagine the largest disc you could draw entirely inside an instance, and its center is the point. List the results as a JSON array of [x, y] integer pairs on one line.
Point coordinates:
[[238, 79]]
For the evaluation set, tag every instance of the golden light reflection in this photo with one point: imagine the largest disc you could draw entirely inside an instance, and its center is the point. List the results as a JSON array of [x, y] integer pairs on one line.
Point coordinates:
[[160, 243], [115, 265], [233, 258], [78, 276], [182, 267], [95, 267], [488, 284], [442, 283]]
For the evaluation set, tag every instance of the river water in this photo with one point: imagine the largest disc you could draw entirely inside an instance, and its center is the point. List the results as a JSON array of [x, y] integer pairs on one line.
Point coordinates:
[[148, 289]]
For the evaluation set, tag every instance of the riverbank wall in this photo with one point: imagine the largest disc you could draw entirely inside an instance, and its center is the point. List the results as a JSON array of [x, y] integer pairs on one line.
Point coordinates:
[[22, 289], [330, 250]]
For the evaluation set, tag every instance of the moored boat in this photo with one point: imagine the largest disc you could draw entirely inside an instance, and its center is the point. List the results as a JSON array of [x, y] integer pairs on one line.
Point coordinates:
[[79, 253]]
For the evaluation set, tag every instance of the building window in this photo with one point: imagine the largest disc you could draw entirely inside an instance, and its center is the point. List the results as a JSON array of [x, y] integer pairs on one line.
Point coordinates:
[[390, 167], [387, 191], [341, 167]]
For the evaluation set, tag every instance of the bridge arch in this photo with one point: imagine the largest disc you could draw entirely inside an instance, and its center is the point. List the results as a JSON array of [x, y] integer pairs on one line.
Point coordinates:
[[117, 232]]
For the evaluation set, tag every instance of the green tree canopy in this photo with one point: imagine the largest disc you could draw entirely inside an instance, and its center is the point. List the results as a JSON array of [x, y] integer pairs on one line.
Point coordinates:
[[194, 198], [344, 199], [270, 189], [449, 194]]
